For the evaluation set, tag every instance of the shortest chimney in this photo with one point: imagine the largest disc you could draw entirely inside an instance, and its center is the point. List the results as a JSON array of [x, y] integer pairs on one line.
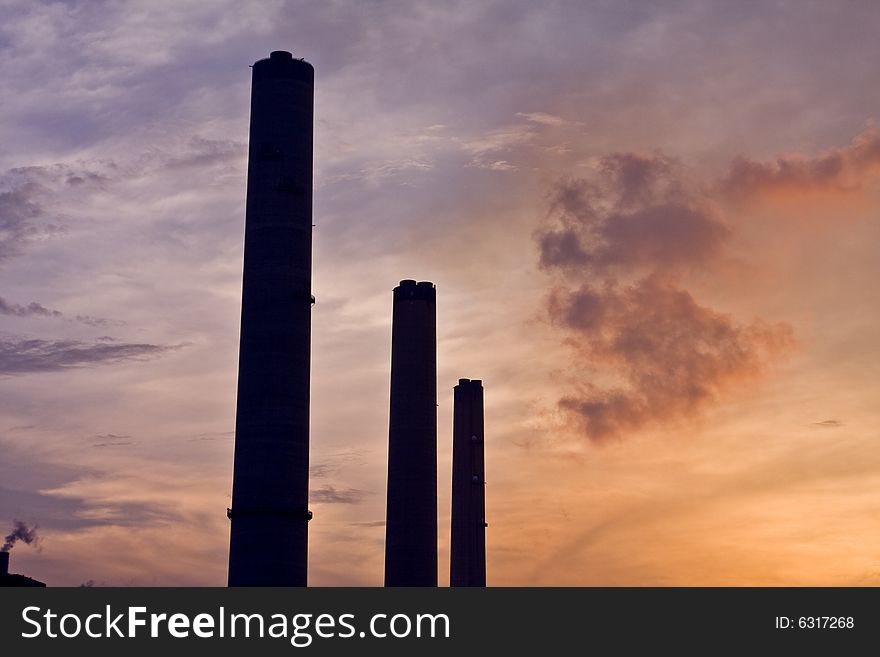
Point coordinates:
[[4, 563]]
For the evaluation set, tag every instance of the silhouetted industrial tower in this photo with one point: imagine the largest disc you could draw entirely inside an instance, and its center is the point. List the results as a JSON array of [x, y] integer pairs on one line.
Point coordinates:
[[269, 514], [467, 564], [411, 519]]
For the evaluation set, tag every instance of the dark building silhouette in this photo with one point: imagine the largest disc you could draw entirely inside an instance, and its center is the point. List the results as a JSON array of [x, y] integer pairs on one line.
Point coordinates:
[[12, 579], [411, 519], [467, 564], [269, 514]]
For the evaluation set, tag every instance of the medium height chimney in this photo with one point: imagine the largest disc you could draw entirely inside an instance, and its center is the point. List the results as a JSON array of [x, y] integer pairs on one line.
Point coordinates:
[[4, 562], [468, 544], [411, 520], [269, 534]]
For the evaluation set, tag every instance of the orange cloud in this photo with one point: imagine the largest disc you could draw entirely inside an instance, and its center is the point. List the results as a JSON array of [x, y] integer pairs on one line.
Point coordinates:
[[675, 355], [633, 215], [635, 219], [836, 173]]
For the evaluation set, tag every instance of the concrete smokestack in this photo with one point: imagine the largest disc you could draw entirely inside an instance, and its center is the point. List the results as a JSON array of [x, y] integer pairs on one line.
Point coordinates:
[[269, 514], [411, 520], [468, 544]]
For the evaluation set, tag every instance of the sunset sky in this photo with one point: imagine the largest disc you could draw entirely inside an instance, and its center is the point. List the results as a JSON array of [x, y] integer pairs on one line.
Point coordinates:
[[653, 228]]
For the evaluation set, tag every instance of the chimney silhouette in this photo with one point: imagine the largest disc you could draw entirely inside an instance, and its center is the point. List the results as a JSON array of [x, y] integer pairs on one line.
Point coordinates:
[[467, 563], [411, 519], [269, 514], [4, 562]]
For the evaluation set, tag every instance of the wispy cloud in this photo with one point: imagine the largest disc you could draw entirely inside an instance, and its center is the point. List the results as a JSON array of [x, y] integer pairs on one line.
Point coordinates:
[[27, 356], [828, 424], [334, 463], [112, 440], [542, 118], [493, 165], [500, 139], [331, 495], [35, 309]]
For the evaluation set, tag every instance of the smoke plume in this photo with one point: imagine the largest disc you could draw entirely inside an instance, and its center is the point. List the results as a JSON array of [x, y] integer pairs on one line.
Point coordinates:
[[20, 532], [624, 239]]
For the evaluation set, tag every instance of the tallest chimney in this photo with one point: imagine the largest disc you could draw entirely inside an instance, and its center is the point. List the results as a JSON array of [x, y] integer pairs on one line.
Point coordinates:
[[269, 514]]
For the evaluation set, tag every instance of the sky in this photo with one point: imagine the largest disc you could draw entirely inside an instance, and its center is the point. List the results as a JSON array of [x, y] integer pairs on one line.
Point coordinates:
[[652, 226]]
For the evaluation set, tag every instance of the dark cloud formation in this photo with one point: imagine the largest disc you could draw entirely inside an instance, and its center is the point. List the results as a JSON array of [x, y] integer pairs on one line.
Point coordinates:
[[32, 309], [112, 440], [19, 218], [331, 495], [674, 354], [335, 462], [28, 356], [840, 169], [26, 199], [221, 435], [623, 238], [20, 532], [65, 512], [89, 320], [31, 485], [634, 214], [321, 470]]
